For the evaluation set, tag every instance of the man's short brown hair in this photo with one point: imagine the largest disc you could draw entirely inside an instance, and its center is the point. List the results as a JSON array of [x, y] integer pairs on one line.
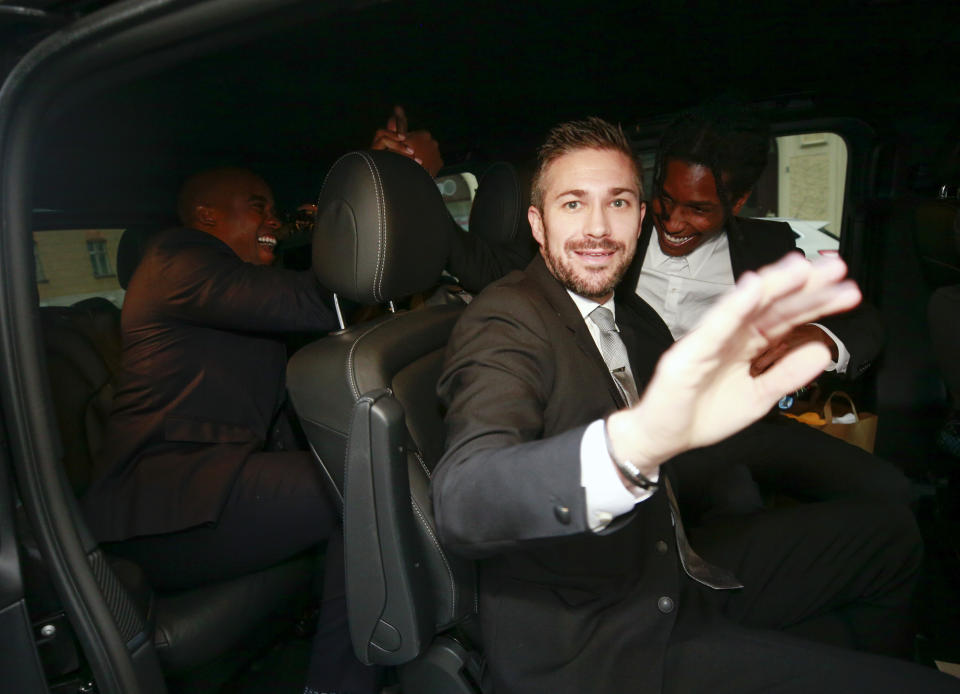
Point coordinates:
[[590, 133]]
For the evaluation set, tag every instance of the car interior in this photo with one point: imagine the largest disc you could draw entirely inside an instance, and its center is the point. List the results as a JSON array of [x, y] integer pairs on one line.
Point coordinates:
[[106, 108]]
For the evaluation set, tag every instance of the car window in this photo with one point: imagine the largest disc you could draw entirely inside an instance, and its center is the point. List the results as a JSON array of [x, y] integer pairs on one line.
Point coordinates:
[[76, 264], [458, 191], [804, 186]]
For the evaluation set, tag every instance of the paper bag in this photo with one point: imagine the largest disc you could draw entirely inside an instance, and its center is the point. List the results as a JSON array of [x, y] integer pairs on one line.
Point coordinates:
[[860, 432]]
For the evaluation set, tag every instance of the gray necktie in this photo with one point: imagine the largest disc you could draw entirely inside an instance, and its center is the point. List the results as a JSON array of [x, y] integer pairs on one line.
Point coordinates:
[[614, 353]]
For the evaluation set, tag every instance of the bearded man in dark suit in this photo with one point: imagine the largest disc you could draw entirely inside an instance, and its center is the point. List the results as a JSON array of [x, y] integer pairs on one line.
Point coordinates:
[[691, 250], [587, 579]]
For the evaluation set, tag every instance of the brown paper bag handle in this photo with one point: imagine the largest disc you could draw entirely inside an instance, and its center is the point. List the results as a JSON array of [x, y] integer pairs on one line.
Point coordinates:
[[828, 410]]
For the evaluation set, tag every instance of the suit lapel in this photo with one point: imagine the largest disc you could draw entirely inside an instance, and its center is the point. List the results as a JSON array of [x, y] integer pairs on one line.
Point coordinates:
[[569, 315], [739, 252]]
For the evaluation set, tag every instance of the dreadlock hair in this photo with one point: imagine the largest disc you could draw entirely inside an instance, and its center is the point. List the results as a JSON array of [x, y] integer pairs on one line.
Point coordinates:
[[590, 133], [727, 139]]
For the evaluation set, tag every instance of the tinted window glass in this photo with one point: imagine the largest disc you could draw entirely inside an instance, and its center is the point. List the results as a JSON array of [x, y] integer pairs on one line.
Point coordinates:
[[76, 264], [458, 191]]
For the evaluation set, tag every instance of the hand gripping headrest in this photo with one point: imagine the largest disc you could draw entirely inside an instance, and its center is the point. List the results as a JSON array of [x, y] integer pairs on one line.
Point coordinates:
[[499, 212], [381, 229]]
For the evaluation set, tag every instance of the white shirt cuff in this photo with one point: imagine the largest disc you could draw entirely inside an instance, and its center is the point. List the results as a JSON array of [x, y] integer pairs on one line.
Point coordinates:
[[606, 497], [843, 356]]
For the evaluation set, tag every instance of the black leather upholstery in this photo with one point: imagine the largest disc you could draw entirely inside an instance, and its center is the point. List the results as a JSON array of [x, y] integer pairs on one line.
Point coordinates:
[[195, 626], [372, 241], [367, 399], [499, 211], [937, 242], [82, 380]]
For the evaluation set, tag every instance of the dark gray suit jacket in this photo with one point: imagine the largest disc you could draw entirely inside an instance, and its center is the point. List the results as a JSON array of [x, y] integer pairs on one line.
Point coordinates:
[[523, 378], [202, 381]]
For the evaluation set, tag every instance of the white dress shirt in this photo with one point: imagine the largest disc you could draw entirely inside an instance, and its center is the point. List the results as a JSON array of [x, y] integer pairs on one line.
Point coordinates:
[[606, 497], [681, 289]]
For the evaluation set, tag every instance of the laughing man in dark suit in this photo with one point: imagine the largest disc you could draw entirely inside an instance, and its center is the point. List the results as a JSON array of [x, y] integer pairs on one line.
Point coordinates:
[[201, 479], [587, 580]]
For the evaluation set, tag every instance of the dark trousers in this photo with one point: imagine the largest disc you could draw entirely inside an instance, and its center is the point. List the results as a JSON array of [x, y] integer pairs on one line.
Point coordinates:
[[842, 572], [836, 571], [781, 455], [278, 507], [726, 659]]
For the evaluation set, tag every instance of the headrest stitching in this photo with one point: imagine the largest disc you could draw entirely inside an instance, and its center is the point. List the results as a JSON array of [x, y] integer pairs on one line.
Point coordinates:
[[381, 223], [436, 543], [382, 241], [353, 348]]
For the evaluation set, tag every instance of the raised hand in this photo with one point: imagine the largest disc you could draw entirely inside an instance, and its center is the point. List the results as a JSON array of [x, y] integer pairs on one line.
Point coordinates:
[[703, 389]]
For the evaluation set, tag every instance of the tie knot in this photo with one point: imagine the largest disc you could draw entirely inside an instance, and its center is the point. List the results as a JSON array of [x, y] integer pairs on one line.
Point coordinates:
[[603, 318]]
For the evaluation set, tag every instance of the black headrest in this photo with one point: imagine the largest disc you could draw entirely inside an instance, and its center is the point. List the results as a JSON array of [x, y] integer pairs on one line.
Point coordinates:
[[381, 229], [133, 244], [499, 212]]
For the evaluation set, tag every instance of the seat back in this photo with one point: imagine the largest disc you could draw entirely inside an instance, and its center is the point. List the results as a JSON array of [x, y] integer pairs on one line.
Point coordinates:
[[938, 245], [366, 397], [83, 353]]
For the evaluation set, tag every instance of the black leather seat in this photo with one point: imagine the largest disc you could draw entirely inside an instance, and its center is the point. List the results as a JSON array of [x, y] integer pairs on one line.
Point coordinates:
[[499, 211], [366, 396], [193, 627], [936, 244]]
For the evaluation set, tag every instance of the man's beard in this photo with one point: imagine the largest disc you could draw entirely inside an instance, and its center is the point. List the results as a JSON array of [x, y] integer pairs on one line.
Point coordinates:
[[589, 284]]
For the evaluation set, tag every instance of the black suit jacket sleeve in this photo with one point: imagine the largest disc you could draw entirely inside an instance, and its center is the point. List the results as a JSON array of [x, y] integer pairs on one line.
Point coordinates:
[[205, 283], [500, 482], [761, 242], [476, 262]]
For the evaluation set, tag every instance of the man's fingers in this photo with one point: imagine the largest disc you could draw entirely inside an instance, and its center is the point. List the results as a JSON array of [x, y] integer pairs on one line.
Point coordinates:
[[399, 119], [387, 139], [763, 362], [794, 370], [806, 306]]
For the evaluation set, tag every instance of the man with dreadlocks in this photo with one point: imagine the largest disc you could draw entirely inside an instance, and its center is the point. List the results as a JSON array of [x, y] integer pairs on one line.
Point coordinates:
[[692, 249]]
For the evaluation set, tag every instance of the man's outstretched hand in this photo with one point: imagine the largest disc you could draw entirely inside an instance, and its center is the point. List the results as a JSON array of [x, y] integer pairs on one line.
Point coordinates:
[[703, 389]]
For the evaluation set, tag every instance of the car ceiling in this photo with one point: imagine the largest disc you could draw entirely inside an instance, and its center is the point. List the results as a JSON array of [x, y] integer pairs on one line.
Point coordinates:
[[487, 78]]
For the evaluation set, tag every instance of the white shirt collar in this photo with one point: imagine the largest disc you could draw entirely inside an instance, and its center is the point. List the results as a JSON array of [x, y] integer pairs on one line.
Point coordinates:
[[585, 305]]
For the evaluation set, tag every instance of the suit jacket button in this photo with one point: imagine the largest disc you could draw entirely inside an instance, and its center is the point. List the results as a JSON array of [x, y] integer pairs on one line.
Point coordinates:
[[661, 547], [665, 605], [562, 513]]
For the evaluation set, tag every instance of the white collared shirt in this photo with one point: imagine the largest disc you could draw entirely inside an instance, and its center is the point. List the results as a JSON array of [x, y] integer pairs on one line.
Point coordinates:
[[681, 289], [606, 497]]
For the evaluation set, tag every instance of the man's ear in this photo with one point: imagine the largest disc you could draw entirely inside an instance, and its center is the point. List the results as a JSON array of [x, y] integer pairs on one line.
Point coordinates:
[[643, 213], [739, 202], [535, 217], [205, 216]]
